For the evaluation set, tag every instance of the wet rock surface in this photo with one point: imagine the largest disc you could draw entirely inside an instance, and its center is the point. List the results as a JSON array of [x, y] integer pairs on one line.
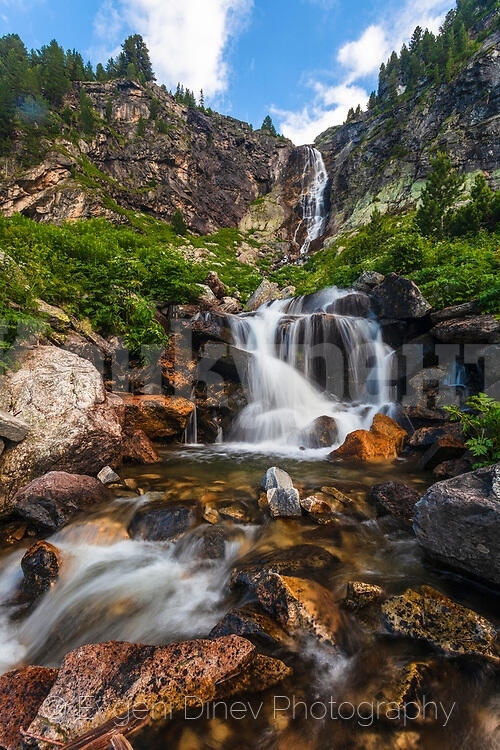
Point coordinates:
[[162, 523], [116, 676], [384, 440], [395, 499], [159, 417], [40, 566], [49, 502], [430, 616], [22, 691]]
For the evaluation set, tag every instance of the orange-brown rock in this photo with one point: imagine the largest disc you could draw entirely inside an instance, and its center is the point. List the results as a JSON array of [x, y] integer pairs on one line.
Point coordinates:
[[384, 440], [119, 679], [160, 417], [138, 448], [22, 691]]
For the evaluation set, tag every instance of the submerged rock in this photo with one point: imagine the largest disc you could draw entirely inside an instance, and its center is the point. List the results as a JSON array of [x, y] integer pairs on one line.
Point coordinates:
[[301, 559], [22, 691], [457, 523], [162, 523], [430, 616], [159, 682], [395, 499], [252, 622], [49, 502]]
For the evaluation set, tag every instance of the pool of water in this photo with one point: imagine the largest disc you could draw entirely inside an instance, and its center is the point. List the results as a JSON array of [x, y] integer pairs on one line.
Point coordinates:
[[114, 587]]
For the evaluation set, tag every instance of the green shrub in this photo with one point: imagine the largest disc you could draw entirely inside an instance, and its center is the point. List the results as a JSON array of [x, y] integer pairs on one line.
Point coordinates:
[[481, 425]]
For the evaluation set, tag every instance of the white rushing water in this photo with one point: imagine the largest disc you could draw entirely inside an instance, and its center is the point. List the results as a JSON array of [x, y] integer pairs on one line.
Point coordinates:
[[112, 587], [312, 199], [308, 359]]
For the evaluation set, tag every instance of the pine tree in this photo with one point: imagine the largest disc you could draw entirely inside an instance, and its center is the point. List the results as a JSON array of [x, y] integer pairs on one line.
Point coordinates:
[[268, 126], [442, 190], [134, 52]]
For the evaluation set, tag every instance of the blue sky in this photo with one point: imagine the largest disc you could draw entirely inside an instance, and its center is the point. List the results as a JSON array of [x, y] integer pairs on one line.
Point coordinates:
[[304, 62]]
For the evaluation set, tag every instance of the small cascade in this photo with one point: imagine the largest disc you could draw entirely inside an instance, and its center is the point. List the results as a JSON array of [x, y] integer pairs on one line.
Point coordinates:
[[312, 198], [311, 357]]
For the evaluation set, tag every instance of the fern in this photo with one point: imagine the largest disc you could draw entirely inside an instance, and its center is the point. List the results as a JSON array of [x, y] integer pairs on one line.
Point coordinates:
[[481, 426]]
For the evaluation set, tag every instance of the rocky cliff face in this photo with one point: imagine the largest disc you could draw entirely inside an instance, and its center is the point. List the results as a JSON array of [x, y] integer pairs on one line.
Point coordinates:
[[154, 155], [383, 160], [209, 166]]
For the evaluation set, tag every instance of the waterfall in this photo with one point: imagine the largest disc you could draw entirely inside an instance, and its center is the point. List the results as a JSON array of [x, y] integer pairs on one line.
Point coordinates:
[[319, 356], [312, 198]]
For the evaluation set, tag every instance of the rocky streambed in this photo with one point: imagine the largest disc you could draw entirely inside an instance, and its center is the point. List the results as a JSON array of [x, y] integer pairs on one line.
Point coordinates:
[[339, 590]]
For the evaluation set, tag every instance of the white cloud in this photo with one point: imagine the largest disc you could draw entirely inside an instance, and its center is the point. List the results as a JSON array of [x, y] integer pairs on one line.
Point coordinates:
[[359, 58], [364, 56], [188, 40]]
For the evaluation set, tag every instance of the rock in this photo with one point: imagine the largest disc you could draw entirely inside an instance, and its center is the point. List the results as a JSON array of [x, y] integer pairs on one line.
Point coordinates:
[[399, 299], [276, 477], [2, 446], [446, 448], [355, 305], [22, 691], [160, 417], [250, 621], [284, 503], [165, 523], [74, 426], [117, 678], [457, 522], [424, 437], [301, 605], [321, 433], [301, 559], [215, 284], [108, 476], [137, 448], [395, 499], [319, 509], [204, 543], [12, 428], [236, 512], [430, 616], [480, 329], [40, 566], [367, 281], [206, 298], [453, 468], [267, 291], [360, 595], [230, 306], [50, 501], [467, 309], [384, 440], [56, 318]]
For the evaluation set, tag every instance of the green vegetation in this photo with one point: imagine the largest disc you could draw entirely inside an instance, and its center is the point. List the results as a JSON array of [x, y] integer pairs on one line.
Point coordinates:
[[112, 275], [481, 425], [431, 59], [460, 265]]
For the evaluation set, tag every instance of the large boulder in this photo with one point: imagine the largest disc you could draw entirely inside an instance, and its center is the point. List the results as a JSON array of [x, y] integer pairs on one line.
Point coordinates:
[[121, 681], [397, 298], [50, 501], [267, 291], [384, 440], [457, 523], [73, 424]]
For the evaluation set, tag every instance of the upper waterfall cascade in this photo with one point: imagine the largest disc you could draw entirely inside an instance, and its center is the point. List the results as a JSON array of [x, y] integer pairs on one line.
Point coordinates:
[[312, 198], [316, 356]]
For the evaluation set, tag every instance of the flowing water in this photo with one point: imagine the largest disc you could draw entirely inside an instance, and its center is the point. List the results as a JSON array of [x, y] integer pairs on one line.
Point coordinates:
[[308, 359], [316, 357], [313, 196]]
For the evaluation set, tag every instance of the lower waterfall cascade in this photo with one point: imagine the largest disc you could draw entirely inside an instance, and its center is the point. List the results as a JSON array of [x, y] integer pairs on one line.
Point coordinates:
[[309, 357]]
